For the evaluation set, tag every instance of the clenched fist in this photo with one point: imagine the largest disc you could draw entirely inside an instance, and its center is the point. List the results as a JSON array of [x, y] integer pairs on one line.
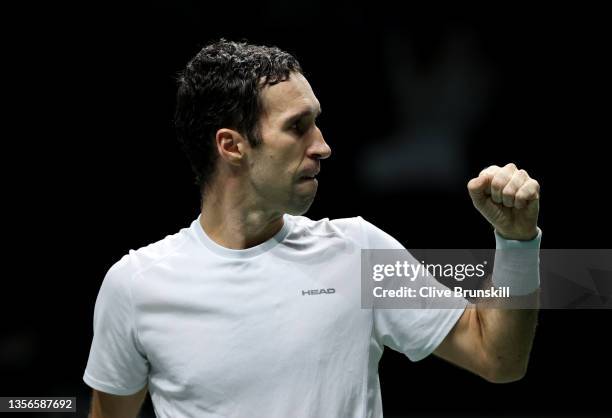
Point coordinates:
[[509, 199]]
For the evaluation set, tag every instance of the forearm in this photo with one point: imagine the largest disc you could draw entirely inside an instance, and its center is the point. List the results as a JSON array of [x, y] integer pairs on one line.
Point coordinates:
[[507, 326], [507, 336]]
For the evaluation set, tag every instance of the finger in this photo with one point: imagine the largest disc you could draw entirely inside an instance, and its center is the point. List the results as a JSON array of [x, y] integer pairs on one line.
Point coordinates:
[[528, 192], [500, 180], [492, 169], [489, 173], [516, 182]]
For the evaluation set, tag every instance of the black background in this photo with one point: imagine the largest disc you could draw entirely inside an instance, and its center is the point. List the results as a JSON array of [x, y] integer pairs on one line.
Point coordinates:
[[92, 169]]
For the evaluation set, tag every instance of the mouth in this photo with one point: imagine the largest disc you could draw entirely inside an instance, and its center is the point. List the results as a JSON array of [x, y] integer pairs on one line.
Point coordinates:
[[309, 175], [308, 178], [304, 180]]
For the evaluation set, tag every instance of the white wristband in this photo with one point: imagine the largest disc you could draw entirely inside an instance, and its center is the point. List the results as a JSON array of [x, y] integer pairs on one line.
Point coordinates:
[[517, 264]]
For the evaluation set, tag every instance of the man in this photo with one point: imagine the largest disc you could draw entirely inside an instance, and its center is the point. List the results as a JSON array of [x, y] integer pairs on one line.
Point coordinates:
[[219, 320]]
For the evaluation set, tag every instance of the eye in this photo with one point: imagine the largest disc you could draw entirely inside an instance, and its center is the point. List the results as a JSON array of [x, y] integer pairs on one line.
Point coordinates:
[[299, 127]]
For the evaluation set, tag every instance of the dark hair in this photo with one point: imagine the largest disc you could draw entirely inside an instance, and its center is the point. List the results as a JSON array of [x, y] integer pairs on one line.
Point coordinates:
[[220, 88]]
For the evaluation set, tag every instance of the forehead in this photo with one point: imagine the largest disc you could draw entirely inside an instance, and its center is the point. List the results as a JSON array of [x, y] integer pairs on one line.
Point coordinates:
[[284, 99]]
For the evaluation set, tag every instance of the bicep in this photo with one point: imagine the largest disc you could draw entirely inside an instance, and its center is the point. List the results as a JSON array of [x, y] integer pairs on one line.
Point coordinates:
[[463, 345], [105, 405]]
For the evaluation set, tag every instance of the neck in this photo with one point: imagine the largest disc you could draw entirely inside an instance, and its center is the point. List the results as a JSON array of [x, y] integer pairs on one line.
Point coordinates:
[[234, 222]]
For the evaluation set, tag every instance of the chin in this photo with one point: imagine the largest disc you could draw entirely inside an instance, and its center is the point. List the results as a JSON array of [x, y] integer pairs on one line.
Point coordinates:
[[298, 208]]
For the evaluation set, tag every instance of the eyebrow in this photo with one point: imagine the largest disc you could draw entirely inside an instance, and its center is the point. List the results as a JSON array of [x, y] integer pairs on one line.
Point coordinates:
[[304, 113]]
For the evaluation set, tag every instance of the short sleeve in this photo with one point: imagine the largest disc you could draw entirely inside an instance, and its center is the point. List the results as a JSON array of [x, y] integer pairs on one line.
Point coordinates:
[[413, 332], [116, 364]]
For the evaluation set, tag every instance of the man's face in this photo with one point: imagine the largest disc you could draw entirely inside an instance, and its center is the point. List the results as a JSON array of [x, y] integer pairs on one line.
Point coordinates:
[[282, 167]]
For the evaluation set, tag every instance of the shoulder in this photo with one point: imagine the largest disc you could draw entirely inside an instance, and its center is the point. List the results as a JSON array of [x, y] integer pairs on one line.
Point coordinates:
[[348, 227], [356, 229], [137, 261]]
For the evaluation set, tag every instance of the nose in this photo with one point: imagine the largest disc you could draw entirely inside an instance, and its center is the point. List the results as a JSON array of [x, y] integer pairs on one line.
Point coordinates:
[[319, 149]]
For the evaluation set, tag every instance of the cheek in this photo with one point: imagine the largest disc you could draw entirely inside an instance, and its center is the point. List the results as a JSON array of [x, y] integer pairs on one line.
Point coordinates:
[[281, 167], [270, 170], [279, 163]]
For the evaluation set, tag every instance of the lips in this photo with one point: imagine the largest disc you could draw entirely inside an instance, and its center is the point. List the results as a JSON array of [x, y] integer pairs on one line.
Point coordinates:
[[309, 175]]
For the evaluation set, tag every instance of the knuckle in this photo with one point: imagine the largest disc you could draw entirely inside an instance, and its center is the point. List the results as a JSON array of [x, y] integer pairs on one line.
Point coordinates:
[[522, 194], [499, 182], [509, 191], [488, 170]]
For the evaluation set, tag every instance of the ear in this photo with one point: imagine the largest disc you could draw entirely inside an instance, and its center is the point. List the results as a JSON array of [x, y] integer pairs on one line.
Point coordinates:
[[230, 145]]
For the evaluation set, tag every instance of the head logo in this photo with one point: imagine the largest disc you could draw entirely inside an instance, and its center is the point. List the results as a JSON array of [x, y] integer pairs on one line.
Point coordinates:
[[318, 292]]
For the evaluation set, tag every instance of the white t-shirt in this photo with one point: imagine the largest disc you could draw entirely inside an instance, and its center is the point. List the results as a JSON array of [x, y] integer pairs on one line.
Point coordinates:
[[216, 332]]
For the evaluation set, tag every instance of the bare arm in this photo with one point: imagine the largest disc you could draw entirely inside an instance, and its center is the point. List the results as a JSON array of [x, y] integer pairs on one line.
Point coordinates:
[[492, 342], [495, 342], [105, 405]]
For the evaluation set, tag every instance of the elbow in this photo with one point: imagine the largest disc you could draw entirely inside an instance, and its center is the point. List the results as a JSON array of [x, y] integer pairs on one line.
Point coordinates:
[[507, 377], [505, 372]]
